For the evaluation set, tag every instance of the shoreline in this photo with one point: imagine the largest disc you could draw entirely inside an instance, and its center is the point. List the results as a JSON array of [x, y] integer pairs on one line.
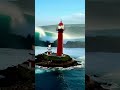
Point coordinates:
[[91, 84], [99, 83], [63, 64], [55, 61]]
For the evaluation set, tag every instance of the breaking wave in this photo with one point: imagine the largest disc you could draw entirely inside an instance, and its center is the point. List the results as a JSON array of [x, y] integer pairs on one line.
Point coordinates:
[[40, 69], [12, 10]]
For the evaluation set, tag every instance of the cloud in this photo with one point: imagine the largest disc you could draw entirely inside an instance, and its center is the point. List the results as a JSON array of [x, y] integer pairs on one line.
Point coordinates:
[[76, 18], [102, 16]]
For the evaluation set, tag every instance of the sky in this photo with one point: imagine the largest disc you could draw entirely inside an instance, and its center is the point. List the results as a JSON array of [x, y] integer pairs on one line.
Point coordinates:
[[102, 14], [50, 12]]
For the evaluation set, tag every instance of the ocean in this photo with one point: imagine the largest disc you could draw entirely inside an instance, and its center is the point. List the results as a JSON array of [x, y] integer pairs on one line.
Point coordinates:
[[12, 57], [106, 66], [62, 79]]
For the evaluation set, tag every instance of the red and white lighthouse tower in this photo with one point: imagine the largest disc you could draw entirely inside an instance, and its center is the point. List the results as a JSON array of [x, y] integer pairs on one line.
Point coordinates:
[[60, 30]]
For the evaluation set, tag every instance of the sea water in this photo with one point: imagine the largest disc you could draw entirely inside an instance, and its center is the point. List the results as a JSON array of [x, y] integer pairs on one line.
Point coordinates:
[[106, 66], [12, 57], [62, 79]]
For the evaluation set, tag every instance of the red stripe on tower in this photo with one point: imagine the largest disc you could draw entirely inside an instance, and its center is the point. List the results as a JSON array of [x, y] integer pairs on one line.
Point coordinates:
[[60, 30]]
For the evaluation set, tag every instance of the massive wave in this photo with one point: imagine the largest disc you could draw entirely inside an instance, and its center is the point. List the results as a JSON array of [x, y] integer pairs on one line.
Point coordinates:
[[49, 35], [16, 14]]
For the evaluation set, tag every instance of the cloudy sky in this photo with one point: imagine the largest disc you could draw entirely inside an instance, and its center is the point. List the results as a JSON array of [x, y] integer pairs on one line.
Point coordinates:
[[102, 14], [49, 12]]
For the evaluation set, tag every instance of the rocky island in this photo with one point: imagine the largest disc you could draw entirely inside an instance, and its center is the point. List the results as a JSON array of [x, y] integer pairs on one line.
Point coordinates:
[[59, 59], [55, 61]]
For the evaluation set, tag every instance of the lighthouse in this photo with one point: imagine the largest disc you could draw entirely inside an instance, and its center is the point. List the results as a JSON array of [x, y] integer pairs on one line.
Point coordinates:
[[60, 30]]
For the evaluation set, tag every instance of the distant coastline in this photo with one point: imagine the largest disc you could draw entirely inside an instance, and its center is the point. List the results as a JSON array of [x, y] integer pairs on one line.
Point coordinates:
[[69, 44]]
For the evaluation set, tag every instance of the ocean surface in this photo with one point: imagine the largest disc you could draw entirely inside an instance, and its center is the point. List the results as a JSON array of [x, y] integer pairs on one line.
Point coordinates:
[[62, 79], [12, 57], [106, 66]]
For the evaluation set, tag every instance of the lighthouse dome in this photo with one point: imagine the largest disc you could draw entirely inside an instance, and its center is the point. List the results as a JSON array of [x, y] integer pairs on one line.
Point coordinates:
[[60, 25]]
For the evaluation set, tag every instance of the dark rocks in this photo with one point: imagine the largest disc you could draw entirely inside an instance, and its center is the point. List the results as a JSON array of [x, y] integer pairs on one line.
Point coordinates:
[[17, 78], [92, 85], [56, 64], [55, 61]]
